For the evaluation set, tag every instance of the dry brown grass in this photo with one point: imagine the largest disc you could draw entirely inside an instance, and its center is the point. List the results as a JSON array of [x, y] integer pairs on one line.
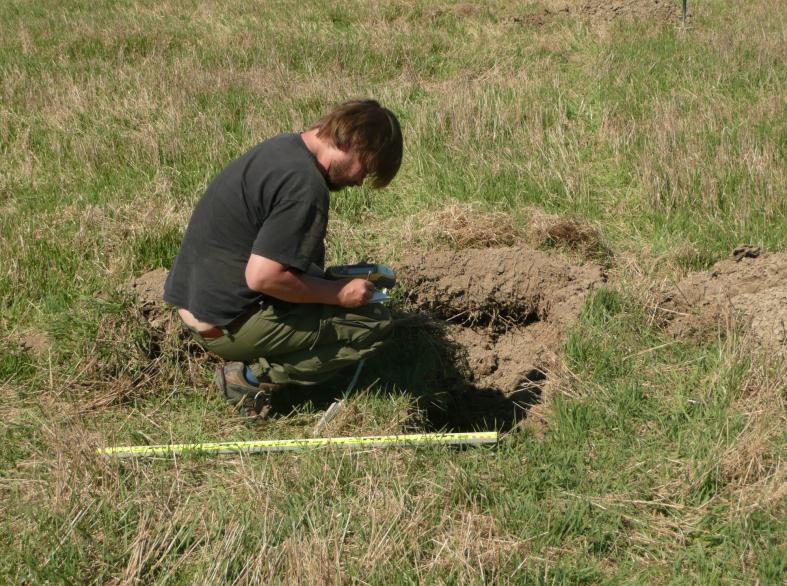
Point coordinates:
[[475, 544], [456, 225], [460, 225], [748, 463], [465, 225], [567, 234]]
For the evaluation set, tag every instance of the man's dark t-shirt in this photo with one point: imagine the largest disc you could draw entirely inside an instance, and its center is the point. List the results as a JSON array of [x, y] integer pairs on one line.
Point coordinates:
[[272, 201]]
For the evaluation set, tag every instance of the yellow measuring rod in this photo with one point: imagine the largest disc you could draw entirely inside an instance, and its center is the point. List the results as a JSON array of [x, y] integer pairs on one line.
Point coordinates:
[[284, 445]]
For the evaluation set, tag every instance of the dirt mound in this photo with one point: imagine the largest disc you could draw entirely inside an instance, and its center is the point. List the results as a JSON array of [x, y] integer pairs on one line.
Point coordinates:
[[604, 11], [505, 309], [749, 290], [148, 291]]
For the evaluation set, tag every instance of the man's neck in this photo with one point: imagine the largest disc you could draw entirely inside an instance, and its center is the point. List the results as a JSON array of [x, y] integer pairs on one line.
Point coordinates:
[[319, 148]]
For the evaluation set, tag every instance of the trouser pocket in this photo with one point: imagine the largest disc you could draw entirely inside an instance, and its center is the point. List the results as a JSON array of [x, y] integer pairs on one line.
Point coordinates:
[[358, 327]]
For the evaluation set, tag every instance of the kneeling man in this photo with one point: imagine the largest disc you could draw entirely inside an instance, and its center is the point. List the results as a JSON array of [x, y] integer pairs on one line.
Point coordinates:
[[248, 279]]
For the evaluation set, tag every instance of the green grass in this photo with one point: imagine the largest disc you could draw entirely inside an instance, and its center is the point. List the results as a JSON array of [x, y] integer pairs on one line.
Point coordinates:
[[657, 461]]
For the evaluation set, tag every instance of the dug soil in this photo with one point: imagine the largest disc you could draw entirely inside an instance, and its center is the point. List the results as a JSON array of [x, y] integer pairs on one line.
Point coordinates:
[[603, 11], [148, 291], [749, 294], [505, 311], [488, 324]]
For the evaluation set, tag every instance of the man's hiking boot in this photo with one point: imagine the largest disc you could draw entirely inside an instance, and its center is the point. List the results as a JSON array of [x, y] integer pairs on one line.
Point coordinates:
[[232, 383]]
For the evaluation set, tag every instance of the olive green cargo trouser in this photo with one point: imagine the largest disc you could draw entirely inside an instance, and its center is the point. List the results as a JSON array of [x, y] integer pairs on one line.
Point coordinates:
[[303, 343]]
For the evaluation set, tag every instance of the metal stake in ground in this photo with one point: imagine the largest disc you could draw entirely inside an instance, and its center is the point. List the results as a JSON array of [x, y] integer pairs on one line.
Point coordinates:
[[337, 405]]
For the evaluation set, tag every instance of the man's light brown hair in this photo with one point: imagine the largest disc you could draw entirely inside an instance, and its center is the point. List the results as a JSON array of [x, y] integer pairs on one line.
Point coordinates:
[[370, 131]]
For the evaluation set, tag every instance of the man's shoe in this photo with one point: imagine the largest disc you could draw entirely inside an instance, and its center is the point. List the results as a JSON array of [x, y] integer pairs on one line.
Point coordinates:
[[232, 383]]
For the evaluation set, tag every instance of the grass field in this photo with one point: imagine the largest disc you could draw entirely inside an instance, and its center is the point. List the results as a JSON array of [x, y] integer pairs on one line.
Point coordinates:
[[653, 459]]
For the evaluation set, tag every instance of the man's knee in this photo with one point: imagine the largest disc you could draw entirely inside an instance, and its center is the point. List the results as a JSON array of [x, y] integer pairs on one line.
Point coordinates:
[[382, 320], [364, 326]]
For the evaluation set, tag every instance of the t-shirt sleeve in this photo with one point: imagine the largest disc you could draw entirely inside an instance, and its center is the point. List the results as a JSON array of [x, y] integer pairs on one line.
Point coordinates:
[[292, 234]]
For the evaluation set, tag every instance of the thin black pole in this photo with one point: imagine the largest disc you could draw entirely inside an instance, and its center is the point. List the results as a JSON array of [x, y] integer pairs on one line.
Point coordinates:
[[685, 10]]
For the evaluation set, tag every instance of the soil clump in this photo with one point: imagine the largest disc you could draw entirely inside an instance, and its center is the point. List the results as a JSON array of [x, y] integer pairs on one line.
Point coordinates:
[[503, 311], [607, 10], [148, 288], [604, 11], [147, 291], [749, 289]]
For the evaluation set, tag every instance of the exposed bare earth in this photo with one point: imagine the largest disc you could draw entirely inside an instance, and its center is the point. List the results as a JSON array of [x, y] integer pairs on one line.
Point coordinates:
[[505, 309], [148, 288], [504, 312], [749, 291], [600, 11], [148, 291], [666, 10], [499, 315]]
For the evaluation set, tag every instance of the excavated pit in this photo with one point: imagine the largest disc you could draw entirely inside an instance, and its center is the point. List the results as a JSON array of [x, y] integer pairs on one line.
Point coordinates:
[[495, 319]]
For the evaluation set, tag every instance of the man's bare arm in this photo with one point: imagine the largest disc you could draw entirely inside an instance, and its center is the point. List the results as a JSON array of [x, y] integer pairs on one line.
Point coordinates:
[[277, 280]]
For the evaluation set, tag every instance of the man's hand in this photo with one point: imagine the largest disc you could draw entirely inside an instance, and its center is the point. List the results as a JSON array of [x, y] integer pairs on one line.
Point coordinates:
[[277, 280], [356, 293]]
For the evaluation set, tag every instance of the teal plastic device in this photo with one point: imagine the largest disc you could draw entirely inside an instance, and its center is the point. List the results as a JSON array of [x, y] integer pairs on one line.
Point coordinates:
[[382, 276]]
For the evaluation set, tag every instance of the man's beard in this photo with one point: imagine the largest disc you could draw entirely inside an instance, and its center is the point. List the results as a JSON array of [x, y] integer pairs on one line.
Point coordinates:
[[336, 178], [334, 186]]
